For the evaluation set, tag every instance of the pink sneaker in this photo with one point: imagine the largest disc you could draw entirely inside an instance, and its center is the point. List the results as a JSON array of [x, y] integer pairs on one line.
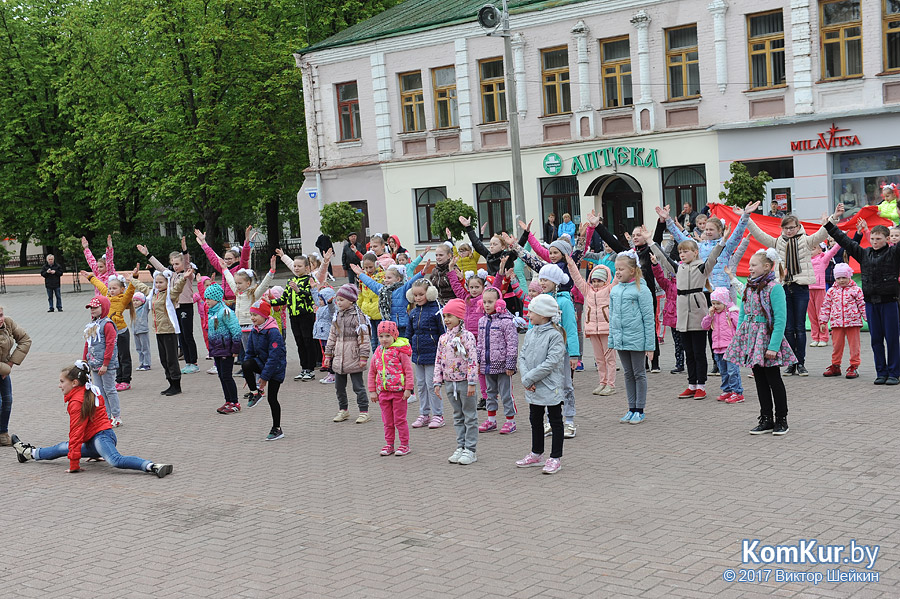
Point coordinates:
[[552, 466], [387, 450], [487, 426], [532, 459], [402, 451], [724, 396], [436, 422], [508, 428], [735, 398], [122, 386], [421, 421]]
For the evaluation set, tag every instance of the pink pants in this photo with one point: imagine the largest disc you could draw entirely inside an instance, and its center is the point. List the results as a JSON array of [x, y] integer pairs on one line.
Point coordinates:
[[851, 334], [393, 415], [605, 358], [816, 297]]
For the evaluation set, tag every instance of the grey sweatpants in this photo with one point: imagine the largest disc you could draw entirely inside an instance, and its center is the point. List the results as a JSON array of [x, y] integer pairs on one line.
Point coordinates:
[[359, 387], [429, 403], [500, 384], [142, 345], [635, 377], [107, 382], [568, 395], [465, 414]]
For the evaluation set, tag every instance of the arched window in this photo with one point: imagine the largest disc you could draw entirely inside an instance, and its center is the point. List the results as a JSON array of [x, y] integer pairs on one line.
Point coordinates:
[[684, 185], [559, 195], [426, 199], [494, 207]]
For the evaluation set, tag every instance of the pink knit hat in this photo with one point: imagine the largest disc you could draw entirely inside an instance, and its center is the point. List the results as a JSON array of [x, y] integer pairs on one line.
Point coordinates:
[[843, 270], [722, 295], [456, 307], [389, 327]]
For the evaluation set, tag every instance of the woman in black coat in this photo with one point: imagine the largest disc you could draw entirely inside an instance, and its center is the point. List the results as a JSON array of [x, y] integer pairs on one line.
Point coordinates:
[[550, 229]]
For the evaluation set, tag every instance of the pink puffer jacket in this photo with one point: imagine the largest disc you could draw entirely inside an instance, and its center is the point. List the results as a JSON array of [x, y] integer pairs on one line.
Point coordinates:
[[670, 309], [843, 306], [474, 308], [595, 318], [723, 325]]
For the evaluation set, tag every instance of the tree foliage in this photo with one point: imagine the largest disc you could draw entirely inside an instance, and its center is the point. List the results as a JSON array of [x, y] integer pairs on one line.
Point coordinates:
[[339, 220], [118, 114], [446, 216], [742, 189]]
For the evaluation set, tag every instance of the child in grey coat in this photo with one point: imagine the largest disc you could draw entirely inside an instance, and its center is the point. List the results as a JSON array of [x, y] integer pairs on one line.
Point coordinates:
[[542, 364], [322, 326], [141, 329]]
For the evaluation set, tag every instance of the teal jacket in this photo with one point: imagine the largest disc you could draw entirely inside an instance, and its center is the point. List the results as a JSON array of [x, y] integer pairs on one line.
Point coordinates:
[[631, 323], [779, 315]]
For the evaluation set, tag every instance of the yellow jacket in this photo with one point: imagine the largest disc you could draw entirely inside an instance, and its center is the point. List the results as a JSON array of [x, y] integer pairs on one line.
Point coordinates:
[[466, 264], [368, 299], [117, 304]]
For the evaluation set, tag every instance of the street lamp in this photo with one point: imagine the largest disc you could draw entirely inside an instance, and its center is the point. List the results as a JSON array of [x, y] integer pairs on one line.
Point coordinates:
[[497, 23]]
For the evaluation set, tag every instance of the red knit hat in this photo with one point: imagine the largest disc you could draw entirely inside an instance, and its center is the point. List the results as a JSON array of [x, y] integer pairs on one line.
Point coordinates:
[[389, 327], [262, 308]]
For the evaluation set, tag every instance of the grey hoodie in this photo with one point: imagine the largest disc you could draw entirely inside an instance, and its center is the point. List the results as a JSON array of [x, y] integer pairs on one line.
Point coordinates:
[[542, 362]]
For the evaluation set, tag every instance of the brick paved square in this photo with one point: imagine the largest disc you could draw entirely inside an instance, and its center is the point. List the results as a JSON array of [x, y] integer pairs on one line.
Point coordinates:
[[656, 510]]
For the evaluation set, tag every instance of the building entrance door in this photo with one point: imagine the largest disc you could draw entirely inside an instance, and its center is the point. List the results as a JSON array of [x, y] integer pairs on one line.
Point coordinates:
[[623, 208]]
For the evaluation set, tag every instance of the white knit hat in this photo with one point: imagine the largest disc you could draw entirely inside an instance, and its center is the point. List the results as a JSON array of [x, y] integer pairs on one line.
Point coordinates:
[[554, 274], [544, 305]]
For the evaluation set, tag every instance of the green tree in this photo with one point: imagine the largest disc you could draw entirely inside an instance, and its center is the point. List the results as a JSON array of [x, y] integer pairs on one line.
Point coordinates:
[[339, 220], [446, 216], [742, 189]]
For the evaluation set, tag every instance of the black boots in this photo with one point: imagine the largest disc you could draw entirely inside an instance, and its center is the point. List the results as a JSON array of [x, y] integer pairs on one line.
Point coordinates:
[[781, 426], [161, 470], [174, 388], [765, 426]]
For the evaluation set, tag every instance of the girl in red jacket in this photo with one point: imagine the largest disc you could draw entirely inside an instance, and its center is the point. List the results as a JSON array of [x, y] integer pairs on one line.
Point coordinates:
[[845, 307], [90, 432]]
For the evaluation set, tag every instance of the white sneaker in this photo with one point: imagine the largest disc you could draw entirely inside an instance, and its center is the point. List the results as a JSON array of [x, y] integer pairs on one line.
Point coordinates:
[[599, 390], [328, 379], [814, 344], [454, 459], [412, 399], [569, 430], [341, 416], [468, 457], [212, 370], [547, 430], [608, 390]]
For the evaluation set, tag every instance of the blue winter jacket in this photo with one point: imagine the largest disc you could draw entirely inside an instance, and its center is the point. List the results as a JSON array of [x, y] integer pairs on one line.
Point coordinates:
[[566, 228], [224, 332], [631, 323], [399, 303], [424, 330], [266, 348]]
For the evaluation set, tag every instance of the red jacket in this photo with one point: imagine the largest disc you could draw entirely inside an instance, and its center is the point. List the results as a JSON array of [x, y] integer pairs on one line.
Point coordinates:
[[80, 430]]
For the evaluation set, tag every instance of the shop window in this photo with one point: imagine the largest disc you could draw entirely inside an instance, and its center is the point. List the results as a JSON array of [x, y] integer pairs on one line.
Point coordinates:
[[858, 177], [426, 199], [555, 72], [444, 82], [891, 27], [765, 40], [777, 169], [615, 57], [682, 62], [684, 185], [494, 204], [559, 195], [412, 101], [841, 35], [493, 90], [348, 110]]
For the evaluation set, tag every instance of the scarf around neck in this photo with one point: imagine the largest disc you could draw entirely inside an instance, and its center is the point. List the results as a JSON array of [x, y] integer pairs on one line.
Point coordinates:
[[385, 299], [792, 258], [758, 284]]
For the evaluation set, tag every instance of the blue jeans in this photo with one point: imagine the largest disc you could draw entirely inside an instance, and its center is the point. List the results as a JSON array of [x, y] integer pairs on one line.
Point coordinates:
[[5, 403], [731, 375], [884, 327], [101, 445], [797, 297], [50, 294]]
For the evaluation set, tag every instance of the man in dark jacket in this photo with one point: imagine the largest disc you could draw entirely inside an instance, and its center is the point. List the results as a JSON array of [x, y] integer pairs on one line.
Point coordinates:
[[52, 273], [688, 217], [349, 256], [880, 267]]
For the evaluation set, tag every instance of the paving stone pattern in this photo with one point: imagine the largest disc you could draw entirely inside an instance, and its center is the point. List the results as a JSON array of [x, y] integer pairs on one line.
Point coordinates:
[[655, 510]]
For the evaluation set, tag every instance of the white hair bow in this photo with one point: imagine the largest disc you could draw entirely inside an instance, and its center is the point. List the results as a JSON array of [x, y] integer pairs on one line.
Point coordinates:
[[631, 254], [90, 386], [119, 278], [770, 253], [236, 249], [481, 274], [246, 271], [449, 245]]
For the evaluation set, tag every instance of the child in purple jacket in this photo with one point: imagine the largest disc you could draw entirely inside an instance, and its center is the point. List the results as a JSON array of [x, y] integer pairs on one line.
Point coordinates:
[[498, 350]]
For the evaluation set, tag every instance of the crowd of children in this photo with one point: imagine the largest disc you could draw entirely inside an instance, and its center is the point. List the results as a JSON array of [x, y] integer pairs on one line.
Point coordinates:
[[455, 329]]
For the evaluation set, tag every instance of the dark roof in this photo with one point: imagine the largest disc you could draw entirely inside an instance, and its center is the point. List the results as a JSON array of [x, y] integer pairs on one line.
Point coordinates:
[[421, 15]]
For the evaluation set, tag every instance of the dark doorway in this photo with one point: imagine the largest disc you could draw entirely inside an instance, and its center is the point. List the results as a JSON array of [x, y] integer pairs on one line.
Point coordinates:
[[363, 207], [623, 208]]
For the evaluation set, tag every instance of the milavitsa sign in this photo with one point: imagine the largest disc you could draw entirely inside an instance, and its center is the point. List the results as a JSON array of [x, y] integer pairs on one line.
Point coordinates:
[[607, 157]]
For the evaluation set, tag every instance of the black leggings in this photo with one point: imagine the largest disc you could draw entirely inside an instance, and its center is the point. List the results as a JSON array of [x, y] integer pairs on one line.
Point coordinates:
[[302, 328], [536, 417], [123, 344], [185, 314], [679, 350], [770, 388], [229, 388], [695, 356], [167, 344], [251, 368]]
